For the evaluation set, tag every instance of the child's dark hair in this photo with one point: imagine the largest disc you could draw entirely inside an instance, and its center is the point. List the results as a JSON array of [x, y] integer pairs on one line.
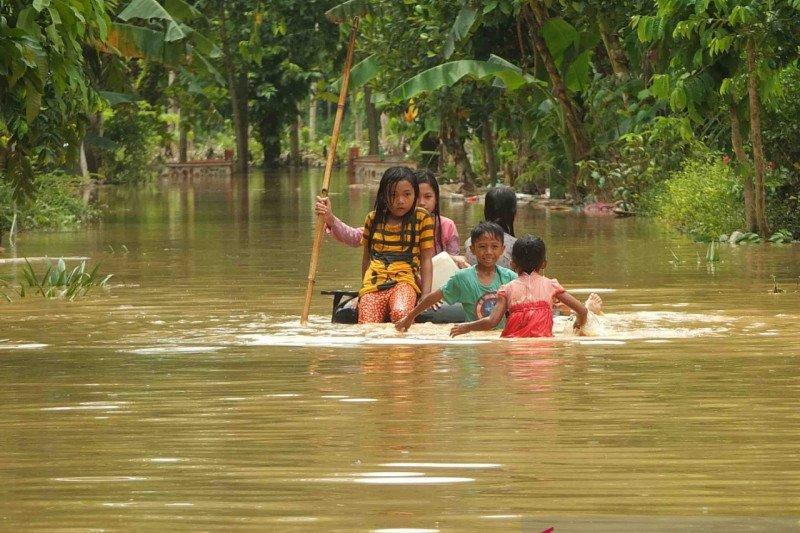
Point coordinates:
[[529, 253], [426, 176], [501, 207], [391, 177], [487, 228]]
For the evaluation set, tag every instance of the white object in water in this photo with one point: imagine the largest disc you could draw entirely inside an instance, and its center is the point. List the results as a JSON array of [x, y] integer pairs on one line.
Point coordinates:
[[443, 269]]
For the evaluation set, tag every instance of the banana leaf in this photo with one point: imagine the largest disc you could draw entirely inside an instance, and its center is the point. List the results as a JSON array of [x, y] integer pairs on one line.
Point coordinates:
[[559, 35], [461, 27], [137, 42], [115, 98], [150, 9], [182, 10], [361, 74], [577, 78], [450, 73]]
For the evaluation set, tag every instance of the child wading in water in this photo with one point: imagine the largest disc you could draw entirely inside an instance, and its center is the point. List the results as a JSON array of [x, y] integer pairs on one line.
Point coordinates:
[[475, 288], [398, 247], [528, 299]]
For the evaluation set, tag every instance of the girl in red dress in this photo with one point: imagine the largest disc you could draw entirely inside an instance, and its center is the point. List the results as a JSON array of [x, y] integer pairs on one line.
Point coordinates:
[[528, 299]]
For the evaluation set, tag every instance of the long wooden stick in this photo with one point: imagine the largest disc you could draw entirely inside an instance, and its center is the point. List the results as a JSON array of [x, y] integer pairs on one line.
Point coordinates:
[[326, 179]]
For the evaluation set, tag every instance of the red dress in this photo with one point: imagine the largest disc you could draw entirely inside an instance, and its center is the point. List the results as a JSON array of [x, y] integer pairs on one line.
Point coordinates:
[[529, 319], [530, 305]]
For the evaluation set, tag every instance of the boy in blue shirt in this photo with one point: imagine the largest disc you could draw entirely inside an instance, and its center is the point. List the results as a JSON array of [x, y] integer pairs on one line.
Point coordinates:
[[475, 288]]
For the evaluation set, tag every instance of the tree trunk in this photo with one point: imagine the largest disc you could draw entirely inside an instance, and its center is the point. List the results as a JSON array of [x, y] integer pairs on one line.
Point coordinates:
[[429, 148], [174, 109], [82, 161], [580, 143], [616, 55], [237, 86], [743, 168], [522, 55], [442, 147], [463, 167], [183, 138], [294, 142], [312, 119], [241, 122], [94, 156], [358, 131], [373, 125], [455, 146], [384, 129], [489, 150], [755, 137], [269, 129]]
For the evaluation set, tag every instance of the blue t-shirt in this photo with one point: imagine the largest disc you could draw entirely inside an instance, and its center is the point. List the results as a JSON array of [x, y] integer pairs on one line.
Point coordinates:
[[477, 299]]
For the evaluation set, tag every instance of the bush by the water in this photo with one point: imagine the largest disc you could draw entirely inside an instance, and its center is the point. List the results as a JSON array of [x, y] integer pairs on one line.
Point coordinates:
[[703, 199], [135, 133], [783, 202], [632, 167], [55, 203]]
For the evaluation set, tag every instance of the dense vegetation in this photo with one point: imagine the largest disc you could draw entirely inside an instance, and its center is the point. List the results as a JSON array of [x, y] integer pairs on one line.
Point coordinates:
[[685, 110]]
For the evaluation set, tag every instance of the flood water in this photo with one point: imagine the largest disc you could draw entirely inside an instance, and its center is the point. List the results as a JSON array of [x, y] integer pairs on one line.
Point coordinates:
[[189, 397]]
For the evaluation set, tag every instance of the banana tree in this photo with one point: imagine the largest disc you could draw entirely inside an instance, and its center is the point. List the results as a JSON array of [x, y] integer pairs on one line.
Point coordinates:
[[444, 79], [563, 51], [166, 38]]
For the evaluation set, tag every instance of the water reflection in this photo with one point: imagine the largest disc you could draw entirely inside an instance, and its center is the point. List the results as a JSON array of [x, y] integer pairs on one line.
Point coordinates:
[[190, 397]]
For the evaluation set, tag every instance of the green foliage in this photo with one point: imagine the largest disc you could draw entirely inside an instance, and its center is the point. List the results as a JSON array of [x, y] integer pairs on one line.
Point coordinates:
[[783, 236], [783, 199], [463, 24], [347, 11], [138, 133], [559, 36], [637, 164], [712, 254], [702, 200], [749, 238], [43, 82], [150, 9], [361, 73], [56, 281], [448, 74], [54, 203], [166, 38]]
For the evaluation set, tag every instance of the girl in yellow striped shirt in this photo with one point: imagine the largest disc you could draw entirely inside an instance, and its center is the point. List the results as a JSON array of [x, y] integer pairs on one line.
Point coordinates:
[[398, 247]]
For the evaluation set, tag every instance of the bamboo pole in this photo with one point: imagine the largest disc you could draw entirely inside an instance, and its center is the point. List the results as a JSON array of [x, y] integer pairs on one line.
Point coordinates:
[[326, 179]]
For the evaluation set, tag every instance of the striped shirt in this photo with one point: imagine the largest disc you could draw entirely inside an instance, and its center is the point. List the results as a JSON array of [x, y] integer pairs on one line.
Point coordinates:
[[395, 254]]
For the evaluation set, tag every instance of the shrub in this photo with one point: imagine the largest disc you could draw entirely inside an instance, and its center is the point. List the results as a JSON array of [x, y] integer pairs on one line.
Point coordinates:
[[783, 201], [703, 199], [632, 167], [137, 133], [55, 202]]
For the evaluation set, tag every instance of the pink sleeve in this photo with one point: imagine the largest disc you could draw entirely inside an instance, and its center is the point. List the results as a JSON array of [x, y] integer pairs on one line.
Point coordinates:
[[503, 291], [345, 234], [450, 236], [557, 288]]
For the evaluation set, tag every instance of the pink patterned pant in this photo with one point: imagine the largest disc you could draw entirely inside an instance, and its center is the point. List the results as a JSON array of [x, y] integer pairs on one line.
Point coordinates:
[[396, 302]]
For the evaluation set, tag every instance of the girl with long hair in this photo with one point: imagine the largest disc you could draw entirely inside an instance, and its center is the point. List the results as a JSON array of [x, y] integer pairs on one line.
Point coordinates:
[[398, 242], [445, 231]]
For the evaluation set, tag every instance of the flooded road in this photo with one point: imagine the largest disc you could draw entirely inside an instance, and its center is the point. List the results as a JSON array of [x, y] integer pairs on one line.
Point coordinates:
[[188, 396]]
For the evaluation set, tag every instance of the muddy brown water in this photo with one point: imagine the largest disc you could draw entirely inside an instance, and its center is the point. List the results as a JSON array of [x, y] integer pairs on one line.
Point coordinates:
[[189, 397]]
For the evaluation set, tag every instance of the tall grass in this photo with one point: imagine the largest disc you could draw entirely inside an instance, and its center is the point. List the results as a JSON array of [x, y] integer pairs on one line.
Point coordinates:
[[56, 282]]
